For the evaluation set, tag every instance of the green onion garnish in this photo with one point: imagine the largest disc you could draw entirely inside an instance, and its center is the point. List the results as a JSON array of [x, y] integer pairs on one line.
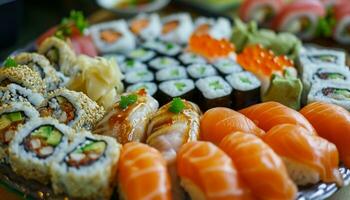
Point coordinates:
[[176, 105], [10, 62], [128, 100]]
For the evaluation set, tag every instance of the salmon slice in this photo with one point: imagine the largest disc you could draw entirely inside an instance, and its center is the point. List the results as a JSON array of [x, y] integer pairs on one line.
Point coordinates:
[[309, 158], [110, 36], [331, 122], [143, 173], [216, 123], [269, 114], [208, 173], [137, 26], [170, 26], [259, 166]]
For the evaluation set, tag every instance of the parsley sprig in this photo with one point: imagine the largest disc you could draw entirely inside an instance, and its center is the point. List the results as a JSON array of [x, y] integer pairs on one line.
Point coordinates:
[[76, 19]]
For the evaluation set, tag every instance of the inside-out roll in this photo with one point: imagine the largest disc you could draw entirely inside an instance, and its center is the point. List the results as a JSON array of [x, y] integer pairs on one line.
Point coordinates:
[[16, 93], [177, 28], [146, 26]]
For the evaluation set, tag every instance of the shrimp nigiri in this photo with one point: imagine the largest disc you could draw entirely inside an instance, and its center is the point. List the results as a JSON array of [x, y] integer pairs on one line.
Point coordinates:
[[269, 114], [207, 173], [308, 158], [216, 123], [332, 122], [143, 173], [259, 166]]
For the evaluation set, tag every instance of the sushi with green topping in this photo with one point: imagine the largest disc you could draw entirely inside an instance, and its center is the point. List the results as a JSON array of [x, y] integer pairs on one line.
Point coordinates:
[[163, 62], [171, 73], [188, 58], [141, 54], [136, 76], [197, 71], [132, 65], [168, 48], [183, 88], [227, 66], [150, 87]]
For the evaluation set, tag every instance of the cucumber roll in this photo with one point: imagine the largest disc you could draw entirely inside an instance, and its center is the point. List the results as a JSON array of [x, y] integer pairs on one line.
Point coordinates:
[[177, 28], [141, 54], [188, 58], [171, 73], [16, 93], [60, 55], [137, 76], [150, 87], [197, 71], [214, 91], [132, 65], [246, 89], [146, 26], [42, 66], [87, 168], [219, 29], [12, 117], [163, 62], [74, 109], [168, 48], [227, 66], [183, 88], [113, 36], [35, 146]]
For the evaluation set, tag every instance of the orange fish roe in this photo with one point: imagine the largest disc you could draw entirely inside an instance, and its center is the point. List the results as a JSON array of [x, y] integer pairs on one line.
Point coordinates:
[[257, 59], [210, 48]]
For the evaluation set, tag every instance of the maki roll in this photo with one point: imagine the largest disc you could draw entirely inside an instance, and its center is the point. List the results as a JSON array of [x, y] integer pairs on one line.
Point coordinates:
[[163, 62], [183, 88], [342, 27], [227, 66], [219, 28], [35, 146], [168, 48], [317, 57], [150, 87], [214, 91], [146, 26], [171, 73], [113, 36], [132, 65], [177, 28], [335, 93], [197, 71], [42, 66], [137, 76], [12, 117], [128, 118], [74, 109], [60, 55], [86, 169], [188, 58], [246, 89], [16, 93], [141, 54]]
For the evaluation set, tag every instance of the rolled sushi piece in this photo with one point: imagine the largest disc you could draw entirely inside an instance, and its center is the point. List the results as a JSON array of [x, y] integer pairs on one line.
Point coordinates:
[[328, 92], [137, 76], [317, 57], [16, 93], [214, 91], [197, 71], [74, 109], [130, 65], [227, 66], [86, 169], [218, 28], [300, 17], [168, 48], [119, 58], [246, 89], [146, 26], [150, 87], [188, 58], [60, 55], [163, 62], [41, 65], [12, 117], [183, 88], [177, 28], [171, 73], [128, 119], [141, 54], [36, 146], [342, 16], [113, 36]]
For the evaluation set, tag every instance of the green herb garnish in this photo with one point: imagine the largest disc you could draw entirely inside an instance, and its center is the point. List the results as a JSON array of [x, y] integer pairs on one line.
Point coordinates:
[[326, 24], [169, 46], [10, 62], [76, 19], [176, 105], [180, 86], [128, 100], [216, 85]]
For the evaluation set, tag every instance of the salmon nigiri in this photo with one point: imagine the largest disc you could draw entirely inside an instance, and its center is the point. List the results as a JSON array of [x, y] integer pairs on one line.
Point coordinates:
[[143, 173], [259, 166], [216, 123], [331, 122], [308, 158], [207, 173], [269, 114]]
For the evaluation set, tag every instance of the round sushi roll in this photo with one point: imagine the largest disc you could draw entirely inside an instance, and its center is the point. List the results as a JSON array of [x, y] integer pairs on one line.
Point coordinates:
[[342, 27], [188, 58], [12, 117], [145, 26], [23, 76], [246, 89], [183, 88], [168, 48], [197, 71], [36, 145], [177, 28], [317, 57], [150, 87], [60, 55], [74, 109], [171, 73], [163, 62], [219, 28], [41, 65], [140, 75], [113, 36], [141, 54], [86, 169], [227, 66], [16, 93], [214, 91], [130, 65]]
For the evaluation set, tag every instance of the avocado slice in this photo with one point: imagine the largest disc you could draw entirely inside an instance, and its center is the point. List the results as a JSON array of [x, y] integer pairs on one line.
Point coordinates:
[[54, 138], [43, 132], [97, 147], [15, 116], [4, 122]]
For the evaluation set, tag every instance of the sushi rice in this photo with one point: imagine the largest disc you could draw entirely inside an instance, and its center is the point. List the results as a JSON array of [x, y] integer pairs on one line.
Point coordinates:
[[141, 54], [132, 65], [227, 66], [197, 71], [136, 76], [171, 73], [163, 62], [16, 93], [150, 87]]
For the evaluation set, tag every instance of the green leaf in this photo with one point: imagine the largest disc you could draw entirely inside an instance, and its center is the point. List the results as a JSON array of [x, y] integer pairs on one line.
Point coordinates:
[[176, 105], [128, 100], [10, 62]]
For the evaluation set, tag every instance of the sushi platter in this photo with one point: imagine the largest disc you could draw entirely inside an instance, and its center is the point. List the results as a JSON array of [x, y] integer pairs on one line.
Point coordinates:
[[174, 107]]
